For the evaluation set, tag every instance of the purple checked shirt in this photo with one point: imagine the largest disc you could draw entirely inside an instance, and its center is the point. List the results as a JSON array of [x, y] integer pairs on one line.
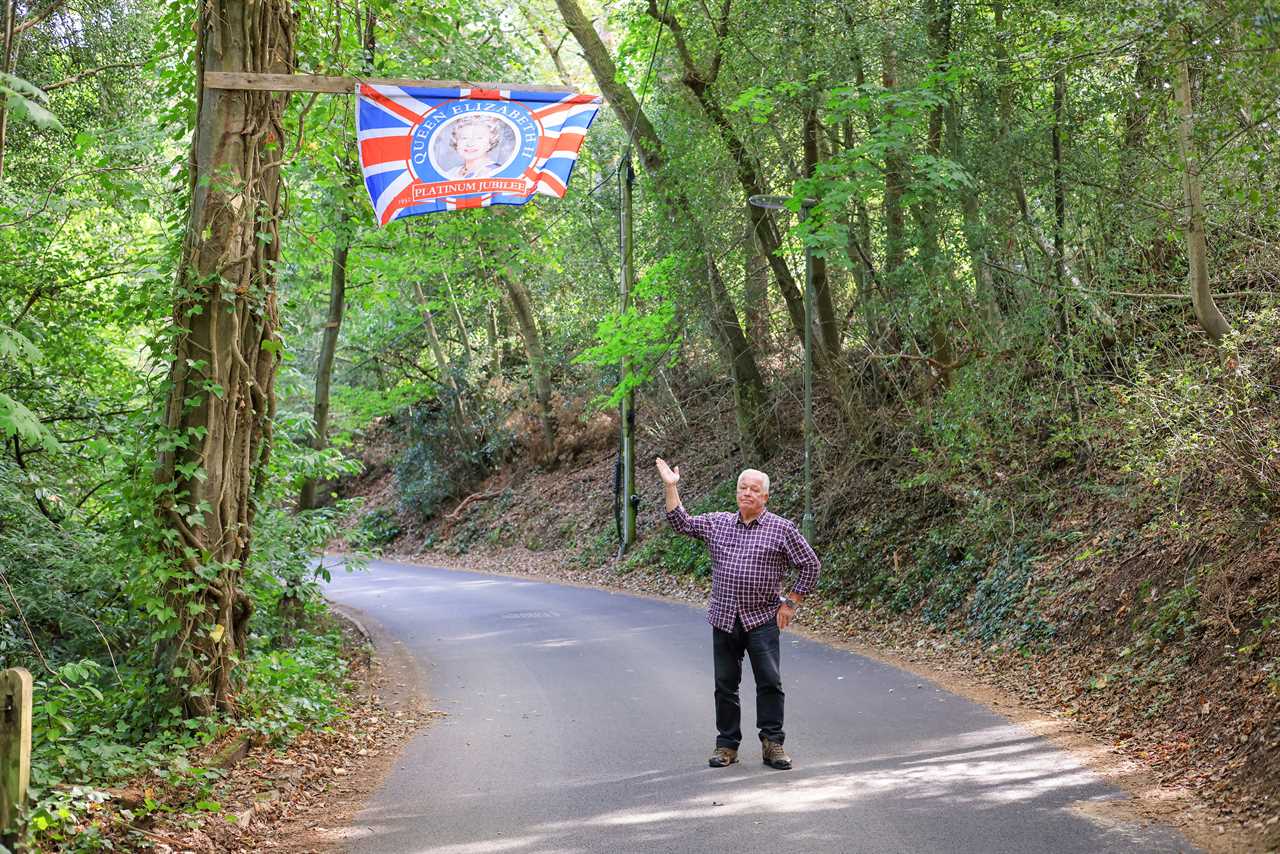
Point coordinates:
[[749, 562]]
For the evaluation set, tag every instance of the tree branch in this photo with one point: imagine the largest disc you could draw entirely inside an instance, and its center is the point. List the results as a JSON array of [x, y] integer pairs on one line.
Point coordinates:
[[38, 17], [692, 76], [720, 27], [89, 72]]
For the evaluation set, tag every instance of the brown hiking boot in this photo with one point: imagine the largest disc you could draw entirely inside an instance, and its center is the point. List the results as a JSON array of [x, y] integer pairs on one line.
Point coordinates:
[[774, 755], [722, 757]]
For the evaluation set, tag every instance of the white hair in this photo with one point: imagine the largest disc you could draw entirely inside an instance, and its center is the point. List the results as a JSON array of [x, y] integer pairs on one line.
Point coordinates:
[[764, 478]]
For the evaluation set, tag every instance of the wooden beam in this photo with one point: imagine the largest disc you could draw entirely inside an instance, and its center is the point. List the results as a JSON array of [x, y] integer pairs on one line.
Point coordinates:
[[344, 85]]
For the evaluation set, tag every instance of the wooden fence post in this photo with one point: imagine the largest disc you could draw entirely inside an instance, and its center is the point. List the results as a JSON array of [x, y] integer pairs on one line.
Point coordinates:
[[15, 745]]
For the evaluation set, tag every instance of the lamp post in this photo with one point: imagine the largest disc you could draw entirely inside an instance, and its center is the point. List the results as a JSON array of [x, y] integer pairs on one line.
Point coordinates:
[[628, 413], [778, 203]]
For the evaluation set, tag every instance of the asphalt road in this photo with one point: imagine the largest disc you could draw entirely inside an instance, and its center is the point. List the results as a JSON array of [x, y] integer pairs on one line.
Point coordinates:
[[581, 721]]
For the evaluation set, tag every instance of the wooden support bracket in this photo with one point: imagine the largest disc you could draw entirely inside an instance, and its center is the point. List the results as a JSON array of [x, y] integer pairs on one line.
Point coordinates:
[[15, 745], [344, 85]]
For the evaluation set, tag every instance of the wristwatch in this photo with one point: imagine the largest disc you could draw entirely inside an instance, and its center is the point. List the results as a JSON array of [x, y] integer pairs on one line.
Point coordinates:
[[787, 600]]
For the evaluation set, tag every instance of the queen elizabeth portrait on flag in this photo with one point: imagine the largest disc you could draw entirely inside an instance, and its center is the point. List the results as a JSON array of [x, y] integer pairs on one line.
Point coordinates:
[[478, 142]]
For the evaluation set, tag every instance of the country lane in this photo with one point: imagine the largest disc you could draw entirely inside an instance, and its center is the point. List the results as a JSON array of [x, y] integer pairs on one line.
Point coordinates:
[[580, 720]]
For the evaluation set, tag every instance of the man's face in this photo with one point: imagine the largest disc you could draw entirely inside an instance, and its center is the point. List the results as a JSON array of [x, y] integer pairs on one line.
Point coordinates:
[[751, 494]]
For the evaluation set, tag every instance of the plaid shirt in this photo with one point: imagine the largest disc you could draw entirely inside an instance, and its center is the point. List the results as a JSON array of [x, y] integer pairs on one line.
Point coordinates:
[[749, 561]]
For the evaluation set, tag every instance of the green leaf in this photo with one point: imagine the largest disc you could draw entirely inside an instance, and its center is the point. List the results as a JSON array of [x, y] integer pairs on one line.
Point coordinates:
[[27, 101]]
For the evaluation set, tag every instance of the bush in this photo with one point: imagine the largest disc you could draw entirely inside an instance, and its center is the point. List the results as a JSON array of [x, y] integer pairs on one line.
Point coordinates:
[[440, 463], [673, 553], [288, 690], [1004, 603], [377, 528]]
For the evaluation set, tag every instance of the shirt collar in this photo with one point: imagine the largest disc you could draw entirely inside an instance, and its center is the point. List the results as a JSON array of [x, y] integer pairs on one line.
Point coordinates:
[[737, 516]]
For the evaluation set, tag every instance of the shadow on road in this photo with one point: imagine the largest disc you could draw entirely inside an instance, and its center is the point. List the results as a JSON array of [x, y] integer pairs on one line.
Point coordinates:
[[996, 789]]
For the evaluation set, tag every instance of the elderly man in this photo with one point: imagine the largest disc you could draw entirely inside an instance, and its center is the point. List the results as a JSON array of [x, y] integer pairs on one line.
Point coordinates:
[[752, 552]]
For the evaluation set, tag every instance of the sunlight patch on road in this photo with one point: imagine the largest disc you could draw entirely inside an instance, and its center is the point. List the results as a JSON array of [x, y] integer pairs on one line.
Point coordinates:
[[1001, 773], [493, 846], [554, 643], [474, 637]]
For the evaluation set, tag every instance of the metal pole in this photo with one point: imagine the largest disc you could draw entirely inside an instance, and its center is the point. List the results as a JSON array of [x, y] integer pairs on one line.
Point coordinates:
[[806, 523], [778, 203], [628, 400]]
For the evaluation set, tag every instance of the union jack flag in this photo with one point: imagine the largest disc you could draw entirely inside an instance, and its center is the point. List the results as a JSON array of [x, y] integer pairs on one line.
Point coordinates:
[[424, 150]]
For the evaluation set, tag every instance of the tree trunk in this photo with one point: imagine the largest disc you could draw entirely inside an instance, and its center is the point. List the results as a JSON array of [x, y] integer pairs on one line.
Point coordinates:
[[7, 64], [1059, 197], [495, 345], [1138, 110], [749, 397], [859, 247], [828, 328], [329, 348], [337, 293], [1206, 310], [975, 235], [527, 322], [444, 371], [756, 276], [938, 27], [895, 247], [457, 318], [1106, 323], [221, 382], [553, 50], [749, 387]]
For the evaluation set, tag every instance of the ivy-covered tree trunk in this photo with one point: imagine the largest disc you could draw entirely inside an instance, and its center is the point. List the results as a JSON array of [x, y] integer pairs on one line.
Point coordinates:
[[221, 382]]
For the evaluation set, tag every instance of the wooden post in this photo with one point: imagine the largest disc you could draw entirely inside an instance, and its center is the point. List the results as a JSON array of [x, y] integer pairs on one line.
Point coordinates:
[[15, 745]]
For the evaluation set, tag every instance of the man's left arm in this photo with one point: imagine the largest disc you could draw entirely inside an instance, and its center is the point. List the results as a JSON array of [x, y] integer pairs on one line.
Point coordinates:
[[805, 561]]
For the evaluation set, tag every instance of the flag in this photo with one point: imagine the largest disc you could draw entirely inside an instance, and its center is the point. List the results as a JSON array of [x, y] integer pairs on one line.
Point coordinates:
[[424, 150]]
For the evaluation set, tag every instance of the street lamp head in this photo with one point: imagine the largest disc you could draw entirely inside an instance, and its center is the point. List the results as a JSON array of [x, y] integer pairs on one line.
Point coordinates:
[[772, 203], [777, 203]]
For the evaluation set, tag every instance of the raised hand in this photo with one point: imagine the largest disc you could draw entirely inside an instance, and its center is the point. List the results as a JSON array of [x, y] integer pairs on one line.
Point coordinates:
[[669, 476]]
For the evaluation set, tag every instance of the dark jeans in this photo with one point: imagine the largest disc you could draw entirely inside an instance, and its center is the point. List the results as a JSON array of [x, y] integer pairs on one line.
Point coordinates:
[[761, 643]]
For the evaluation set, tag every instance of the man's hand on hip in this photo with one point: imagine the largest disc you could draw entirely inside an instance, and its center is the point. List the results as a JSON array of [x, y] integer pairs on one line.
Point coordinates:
[[786, 613]]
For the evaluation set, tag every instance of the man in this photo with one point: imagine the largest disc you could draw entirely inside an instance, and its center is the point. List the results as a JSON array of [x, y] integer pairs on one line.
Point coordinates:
[[752, 552]]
